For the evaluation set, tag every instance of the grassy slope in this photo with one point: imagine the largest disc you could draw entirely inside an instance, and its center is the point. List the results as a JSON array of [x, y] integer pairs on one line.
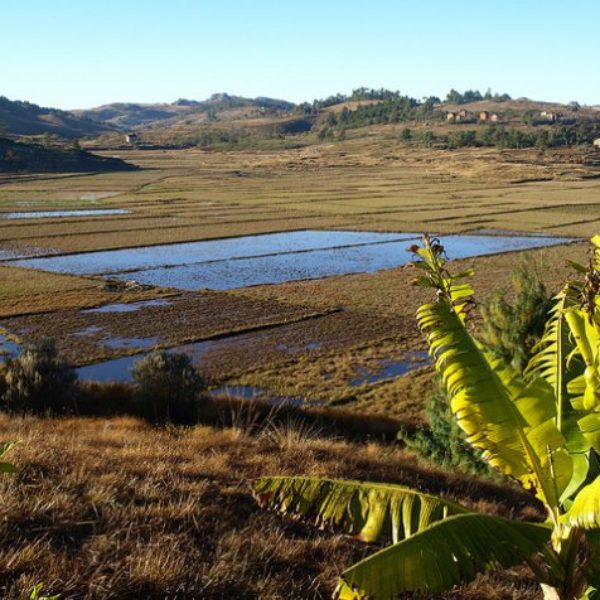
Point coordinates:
[[16, 157], [24, 118], [117, 509]]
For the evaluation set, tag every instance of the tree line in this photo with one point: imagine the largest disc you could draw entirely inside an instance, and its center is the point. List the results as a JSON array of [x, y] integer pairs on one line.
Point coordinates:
[[507, 137], [455, 97]]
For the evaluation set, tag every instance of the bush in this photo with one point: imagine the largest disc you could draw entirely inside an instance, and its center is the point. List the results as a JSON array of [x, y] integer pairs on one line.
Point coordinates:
[[39, 381], [169, 384], [511, 330], [443, 442]]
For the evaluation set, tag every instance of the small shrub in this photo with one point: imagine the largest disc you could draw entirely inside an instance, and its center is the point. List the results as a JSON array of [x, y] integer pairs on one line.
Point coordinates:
[[39, 381], [169, 384], [443, 442], [291, 432], [511, 330]]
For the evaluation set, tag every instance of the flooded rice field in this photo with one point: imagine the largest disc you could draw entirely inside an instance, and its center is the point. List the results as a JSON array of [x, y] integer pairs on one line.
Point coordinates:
[[8, 347], [235, 338], [290, 351], [121, 307], [270, 259], [61, 214], [388, 369]]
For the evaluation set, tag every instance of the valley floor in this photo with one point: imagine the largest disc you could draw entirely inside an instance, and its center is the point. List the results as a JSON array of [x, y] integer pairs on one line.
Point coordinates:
[[115, 508]]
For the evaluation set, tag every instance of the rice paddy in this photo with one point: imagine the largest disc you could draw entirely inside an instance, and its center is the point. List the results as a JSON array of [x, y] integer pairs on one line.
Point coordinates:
[[109, 287], [167, 512]]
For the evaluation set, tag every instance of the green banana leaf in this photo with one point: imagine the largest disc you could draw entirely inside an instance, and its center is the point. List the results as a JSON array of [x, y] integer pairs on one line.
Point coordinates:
[[449, 553], [587, 337], [371, 511], [556, 360], [585, 510], [6, 467], [512, 423]]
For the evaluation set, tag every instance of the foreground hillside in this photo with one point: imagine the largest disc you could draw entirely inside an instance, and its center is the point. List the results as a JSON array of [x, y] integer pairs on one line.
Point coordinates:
[[26, 118], [118, 509], [16, 157]]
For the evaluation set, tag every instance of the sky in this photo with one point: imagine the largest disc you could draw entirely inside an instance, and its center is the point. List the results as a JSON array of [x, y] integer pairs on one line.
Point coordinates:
[[84, 53]]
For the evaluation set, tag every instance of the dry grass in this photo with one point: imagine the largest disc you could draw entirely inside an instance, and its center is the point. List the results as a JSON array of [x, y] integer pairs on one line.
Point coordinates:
[[368, 182], [25, 291], [112, 508], [116, 509]]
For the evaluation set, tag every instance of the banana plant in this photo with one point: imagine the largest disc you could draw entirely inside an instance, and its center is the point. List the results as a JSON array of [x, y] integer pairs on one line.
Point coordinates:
[[6, 467], [540, 428]]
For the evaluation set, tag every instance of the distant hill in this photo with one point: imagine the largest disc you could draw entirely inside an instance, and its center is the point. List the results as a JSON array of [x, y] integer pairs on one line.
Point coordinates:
[[221, 107], [18, 157], [25, 118]]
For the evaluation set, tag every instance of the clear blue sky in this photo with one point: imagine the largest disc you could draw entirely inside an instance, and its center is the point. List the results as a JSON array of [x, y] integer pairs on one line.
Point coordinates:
[[82, 53]]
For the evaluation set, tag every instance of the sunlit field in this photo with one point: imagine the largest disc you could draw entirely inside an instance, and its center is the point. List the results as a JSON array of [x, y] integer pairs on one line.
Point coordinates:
[[114, 507]]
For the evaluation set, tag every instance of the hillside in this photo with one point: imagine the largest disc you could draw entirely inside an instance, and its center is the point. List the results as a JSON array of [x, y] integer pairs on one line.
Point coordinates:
[[219, 107], [19, 157], [25, 118]]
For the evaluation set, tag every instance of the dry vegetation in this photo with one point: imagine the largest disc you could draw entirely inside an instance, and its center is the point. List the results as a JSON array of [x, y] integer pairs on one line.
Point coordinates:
[[363, 183], [113, 508], [116, 509]]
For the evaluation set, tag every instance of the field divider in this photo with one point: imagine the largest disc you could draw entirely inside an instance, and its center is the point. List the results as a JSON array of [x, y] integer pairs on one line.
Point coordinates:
[[224, 334]]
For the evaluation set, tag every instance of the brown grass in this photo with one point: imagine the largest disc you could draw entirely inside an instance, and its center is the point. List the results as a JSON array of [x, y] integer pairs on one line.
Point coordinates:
[[116, 509], [371, 181], [25, 291]]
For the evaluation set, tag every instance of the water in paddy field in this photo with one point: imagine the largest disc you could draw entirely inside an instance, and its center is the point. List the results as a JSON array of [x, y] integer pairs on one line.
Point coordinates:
[[8, 347], [132, 342], [390, 369], [127, 307], [119, 369], [53, 214], [271, 258]]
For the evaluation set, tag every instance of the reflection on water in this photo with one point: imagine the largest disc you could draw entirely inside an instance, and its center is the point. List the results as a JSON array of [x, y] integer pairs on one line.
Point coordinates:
[[127, 307], [269, 259], [8, 347], [389, 369], [53, 214], [132, 342]]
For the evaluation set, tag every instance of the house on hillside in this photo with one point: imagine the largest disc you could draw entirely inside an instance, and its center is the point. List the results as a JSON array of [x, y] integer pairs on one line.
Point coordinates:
[[495, 118], [484, 115], [596, 143], [131, 138], [457, 117], [551, 116]]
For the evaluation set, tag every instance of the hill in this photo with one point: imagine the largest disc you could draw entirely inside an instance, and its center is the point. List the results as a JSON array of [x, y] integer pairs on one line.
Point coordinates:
[[20, 157], [25, 118], [219, 107]]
